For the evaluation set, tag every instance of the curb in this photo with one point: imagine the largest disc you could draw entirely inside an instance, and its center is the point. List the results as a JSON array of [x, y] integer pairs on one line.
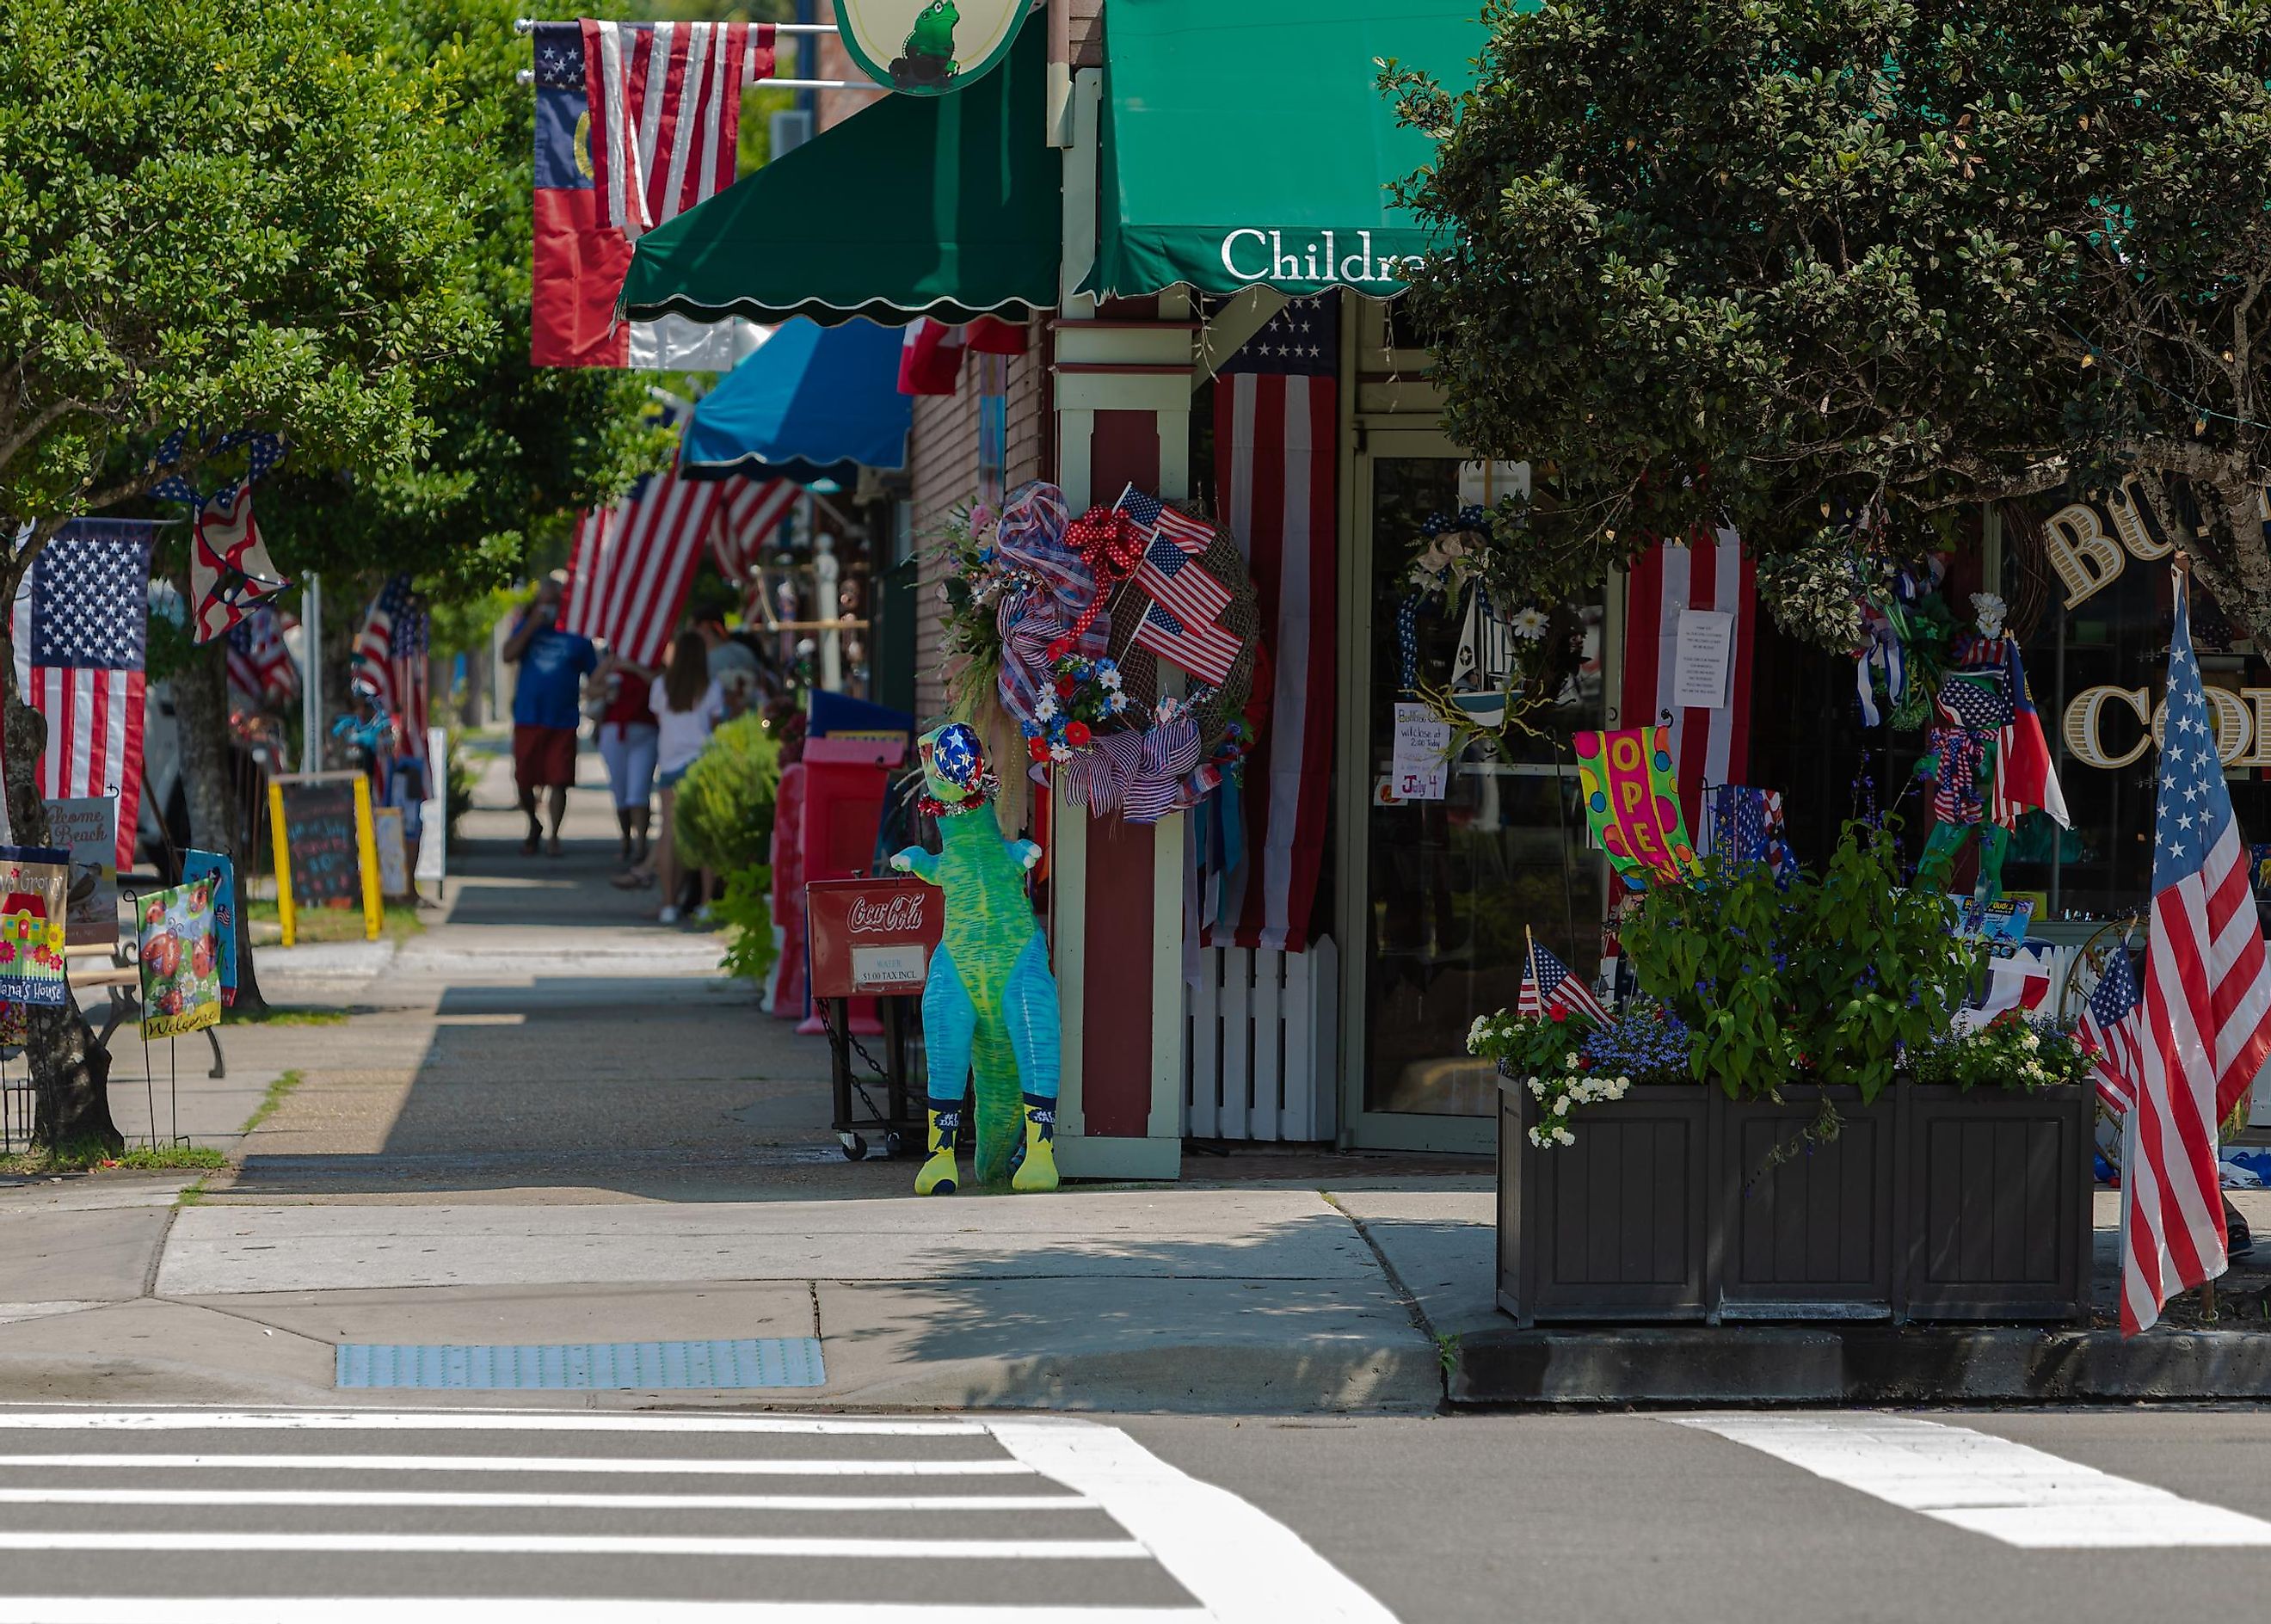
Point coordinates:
[[1854, 1364]]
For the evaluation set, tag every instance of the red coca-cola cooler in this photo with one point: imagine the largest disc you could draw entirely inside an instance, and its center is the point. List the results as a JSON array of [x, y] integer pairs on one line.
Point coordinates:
[[872, 939], [840, 810]]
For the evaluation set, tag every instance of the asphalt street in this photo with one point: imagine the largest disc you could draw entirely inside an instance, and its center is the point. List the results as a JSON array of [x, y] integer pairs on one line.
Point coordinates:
[[184, 1517]]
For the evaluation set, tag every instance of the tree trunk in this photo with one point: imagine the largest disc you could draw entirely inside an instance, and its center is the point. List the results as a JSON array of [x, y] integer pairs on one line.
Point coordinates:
[[70, 1072], [208, 782]]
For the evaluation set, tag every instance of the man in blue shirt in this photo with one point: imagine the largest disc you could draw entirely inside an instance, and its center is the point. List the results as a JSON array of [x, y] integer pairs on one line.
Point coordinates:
[[552, 666]]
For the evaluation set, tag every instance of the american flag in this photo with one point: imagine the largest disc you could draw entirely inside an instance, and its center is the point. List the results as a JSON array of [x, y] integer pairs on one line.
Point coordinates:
[[2108, 1031], [390, 654], [750, 515], [1707, 745], [1179, 625], [667, 112], [79, 627], [1275, 416], [2019, 983], [1547, 985], [633, 563], [259, 661], [230, 570], [2207, 1011], [1190, 535]]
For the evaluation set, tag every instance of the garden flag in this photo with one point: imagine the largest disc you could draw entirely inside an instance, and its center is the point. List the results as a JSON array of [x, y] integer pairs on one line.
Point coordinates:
[[33, 880], [1632, 803], [2207, 1010], [2108, 1031], [636, 122], [1550, 988], [81, 620], [1275, 420], [180, 957], [1746, 826], [201, 865]]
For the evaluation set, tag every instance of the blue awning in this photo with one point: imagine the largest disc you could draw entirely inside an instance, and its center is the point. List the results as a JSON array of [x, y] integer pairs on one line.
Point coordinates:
[[812, 403]]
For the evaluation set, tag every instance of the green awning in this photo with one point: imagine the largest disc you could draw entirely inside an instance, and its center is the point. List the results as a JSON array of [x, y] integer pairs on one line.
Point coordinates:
[[1249, 143], [948, 206]]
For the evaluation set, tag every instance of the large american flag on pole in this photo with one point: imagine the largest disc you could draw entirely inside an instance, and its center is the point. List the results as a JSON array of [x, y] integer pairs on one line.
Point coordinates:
[[79, 628], [390, 655], [633, 563], [750, 515], [2207, 1009], [1276, 417]]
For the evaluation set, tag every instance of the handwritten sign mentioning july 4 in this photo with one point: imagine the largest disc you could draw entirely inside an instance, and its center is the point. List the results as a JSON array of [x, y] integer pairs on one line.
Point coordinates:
[[325, 844]]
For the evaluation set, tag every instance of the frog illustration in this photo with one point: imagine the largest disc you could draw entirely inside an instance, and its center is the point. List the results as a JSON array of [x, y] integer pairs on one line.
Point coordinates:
[[925, 60]]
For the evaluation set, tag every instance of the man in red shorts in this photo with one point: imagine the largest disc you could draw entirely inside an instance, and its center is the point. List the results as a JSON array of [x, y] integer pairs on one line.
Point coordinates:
[[552, 666]]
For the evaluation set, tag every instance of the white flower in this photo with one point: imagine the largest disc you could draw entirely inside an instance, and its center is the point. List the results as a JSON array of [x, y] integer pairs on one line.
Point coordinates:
[[1476, 1032], [1045, 707], [1528, 624], [1116, 702], [1537, 1087], [1109, 676], [1060, 752], [2027, 1036], [1570, 1059], [1538, 1136], [1562, 1136]]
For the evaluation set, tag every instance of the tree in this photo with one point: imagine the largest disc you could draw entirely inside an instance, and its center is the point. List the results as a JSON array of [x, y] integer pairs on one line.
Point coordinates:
[[1798, 262], [214, 214]]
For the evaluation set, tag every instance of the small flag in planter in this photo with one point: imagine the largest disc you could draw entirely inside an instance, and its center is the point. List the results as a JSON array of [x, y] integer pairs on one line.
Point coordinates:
[[1550, 986]]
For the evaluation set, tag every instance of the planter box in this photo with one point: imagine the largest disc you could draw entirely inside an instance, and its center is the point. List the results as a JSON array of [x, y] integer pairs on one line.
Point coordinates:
[[1678, 1203], [1997, 1187]]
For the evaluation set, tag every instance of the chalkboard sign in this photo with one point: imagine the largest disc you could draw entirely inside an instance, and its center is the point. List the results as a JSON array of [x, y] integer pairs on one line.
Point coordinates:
[[325, 855]]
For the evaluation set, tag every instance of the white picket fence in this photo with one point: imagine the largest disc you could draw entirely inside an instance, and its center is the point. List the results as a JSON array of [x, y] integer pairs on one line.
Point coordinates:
[[1262, 1053]]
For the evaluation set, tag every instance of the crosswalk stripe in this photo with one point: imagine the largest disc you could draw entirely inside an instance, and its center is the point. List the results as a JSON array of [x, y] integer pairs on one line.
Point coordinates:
[[579, 1545], [1990, 1486], [567, 1465], [482, 1421], [129, 1496], [546, 1610]]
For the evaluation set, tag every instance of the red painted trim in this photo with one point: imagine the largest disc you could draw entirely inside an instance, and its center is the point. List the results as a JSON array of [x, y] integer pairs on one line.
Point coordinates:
[[1124, 450], [1115, 1068]]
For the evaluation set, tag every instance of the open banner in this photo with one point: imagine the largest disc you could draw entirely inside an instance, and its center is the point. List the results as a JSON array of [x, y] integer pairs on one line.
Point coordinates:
[[1632, 800]]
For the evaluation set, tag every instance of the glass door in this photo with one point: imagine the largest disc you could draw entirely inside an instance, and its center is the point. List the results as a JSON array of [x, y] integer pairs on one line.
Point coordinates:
[[1440, 895]]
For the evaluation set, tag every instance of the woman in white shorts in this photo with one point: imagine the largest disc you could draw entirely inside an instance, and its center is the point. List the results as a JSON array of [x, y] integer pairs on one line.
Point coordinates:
[[628, 739]]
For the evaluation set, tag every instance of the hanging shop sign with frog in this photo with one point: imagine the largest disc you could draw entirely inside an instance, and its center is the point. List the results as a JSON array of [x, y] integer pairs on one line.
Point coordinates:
[[927, 48]]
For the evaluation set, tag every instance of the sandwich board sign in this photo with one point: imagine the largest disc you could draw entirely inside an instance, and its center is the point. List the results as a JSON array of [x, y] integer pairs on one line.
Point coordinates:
[[326, 853]]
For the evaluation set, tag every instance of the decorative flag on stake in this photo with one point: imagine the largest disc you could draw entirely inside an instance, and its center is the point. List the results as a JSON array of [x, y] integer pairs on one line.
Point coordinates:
[[2024, 775], [1276, 417], [1548, 985], [80, 625], [1186, 601], [636, 122], [1191, 536], [2208, 1008], [633, 563], [32, 881], [1707, 746], [1633, 802], [2110, 1030], [2019, 983]]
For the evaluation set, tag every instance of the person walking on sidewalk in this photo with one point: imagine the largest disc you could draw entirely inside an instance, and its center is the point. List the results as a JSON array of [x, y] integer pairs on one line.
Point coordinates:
[[687, 708], [553, 665], [628, 739]]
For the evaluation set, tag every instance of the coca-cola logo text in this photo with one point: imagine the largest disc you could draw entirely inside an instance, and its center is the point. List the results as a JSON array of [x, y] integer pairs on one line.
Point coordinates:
[[890, 916]]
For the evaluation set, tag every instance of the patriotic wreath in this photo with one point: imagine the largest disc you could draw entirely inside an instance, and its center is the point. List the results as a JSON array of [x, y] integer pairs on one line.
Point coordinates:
[[1064, 623]]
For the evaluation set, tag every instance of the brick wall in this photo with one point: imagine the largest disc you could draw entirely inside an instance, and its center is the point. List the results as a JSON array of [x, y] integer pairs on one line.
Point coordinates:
[[945, 466], [1086, 28]]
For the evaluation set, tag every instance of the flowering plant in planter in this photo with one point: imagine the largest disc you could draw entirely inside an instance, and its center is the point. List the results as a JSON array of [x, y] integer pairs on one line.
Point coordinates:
[[2011, 1051], [1565, 1062], [1794, 978]]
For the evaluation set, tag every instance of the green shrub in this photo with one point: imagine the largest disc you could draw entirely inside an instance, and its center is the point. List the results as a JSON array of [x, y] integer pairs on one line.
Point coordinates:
[[725, 819], [746, 911]]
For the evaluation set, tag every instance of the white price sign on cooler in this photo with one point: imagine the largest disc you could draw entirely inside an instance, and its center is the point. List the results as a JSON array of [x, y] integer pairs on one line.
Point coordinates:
[[1418, 770], [902, 964]]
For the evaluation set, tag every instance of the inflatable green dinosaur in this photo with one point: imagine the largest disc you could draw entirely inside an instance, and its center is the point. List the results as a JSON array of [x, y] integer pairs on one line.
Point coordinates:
[[991, 999]]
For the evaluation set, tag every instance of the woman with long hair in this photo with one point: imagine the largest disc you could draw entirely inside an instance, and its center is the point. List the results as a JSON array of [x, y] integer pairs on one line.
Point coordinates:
[[686, 707]]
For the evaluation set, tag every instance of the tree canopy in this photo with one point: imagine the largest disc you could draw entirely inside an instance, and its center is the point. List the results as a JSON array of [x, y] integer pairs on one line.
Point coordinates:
[[1795, 264], [221, 215]]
